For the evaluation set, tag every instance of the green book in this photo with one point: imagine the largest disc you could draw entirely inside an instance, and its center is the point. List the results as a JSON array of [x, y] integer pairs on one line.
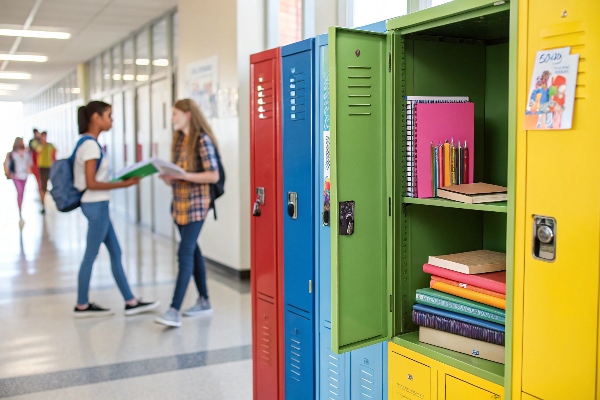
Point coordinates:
[[445, 301], [148, 167]]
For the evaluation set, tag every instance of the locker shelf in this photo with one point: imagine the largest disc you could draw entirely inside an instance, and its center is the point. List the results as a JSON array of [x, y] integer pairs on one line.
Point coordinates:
[[489, 370], [499, 207]]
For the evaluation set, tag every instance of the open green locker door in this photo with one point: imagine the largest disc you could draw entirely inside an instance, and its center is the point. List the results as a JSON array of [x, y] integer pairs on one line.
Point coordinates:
[[361, 279]]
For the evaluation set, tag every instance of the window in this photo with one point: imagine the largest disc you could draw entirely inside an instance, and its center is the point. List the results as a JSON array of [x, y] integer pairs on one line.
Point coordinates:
[[290, 21], [142, 57], [117, 66], [365, 12], [160, 48], [106, 71], [128, 61], [175, 43]]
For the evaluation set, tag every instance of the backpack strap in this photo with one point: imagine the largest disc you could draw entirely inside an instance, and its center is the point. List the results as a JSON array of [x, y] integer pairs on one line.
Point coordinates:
[[79, 143]]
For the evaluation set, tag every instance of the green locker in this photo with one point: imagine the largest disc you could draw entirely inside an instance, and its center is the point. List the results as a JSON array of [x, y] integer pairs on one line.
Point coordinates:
[[462, 48]]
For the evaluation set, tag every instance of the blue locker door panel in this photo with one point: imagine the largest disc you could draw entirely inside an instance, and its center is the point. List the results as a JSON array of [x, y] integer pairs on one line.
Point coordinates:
[[299, 357], [333, 375], [298, 172], [368, 367]]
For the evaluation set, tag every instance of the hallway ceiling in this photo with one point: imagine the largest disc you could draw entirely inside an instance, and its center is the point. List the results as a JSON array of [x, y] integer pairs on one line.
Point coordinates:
[[94, 26]]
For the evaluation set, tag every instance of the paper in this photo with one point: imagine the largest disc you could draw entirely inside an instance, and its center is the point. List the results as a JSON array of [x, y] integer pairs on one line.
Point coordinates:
[[551, 96], [148, 167]]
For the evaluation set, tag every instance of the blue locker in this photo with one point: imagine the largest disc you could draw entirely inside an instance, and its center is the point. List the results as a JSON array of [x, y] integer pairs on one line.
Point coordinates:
[[297, 74], [360, 374]]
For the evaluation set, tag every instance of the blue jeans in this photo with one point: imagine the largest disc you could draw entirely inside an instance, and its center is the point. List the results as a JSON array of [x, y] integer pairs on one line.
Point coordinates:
[[190, 261], [100, 230]]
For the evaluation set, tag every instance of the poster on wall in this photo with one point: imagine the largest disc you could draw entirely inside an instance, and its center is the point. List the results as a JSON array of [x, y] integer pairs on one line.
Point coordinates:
[[551, 96], [201, 84]]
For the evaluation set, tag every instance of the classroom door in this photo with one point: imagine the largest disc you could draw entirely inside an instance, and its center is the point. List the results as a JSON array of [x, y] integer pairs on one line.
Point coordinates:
[[130, 152], [119, 197], [161, 142], [144, 151], [560, 315]]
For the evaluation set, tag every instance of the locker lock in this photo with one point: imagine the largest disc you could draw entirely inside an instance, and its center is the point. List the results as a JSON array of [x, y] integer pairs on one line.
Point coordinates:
[[260, 201], [292, 205], [544, 238]]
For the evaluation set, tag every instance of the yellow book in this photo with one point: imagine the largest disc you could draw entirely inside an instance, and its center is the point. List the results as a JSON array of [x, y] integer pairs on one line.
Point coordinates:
[[447, 165]]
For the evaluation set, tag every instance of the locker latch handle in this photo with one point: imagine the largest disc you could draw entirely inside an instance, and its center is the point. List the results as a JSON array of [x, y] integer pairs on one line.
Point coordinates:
[[260, 201], [292, 205]]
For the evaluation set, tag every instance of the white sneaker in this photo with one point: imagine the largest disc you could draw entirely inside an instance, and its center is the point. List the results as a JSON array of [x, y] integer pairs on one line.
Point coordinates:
[[202, 307], [170, 318]]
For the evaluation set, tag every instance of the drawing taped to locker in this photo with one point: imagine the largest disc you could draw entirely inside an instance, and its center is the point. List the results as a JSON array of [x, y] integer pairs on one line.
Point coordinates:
[[346, 218], [551, 96]]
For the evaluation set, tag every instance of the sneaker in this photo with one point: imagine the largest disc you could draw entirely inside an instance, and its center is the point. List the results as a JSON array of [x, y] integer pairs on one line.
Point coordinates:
[[202, 307], [141, 307], [170, 318], [92, 311]]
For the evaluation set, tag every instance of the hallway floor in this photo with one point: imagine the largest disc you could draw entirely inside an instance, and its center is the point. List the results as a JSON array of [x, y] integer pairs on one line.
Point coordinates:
[[47, 354]]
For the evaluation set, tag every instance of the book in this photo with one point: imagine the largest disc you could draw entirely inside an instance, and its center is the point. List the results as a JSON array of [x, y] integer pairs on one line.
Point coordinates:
[[551, 96], [469, 294], [473, 193], [445, 301], [435, 279], [461, 344], [459, 317], [457, 327], [493, 281], [411, 152], [471, 262], [445, 124], [148, 167]]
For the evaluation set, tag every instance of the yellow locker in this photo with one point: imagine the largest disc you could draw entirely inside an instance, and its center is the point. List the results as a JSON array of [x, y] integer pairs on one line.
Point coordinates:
[[457, 389], [414, 381], [556, 303]]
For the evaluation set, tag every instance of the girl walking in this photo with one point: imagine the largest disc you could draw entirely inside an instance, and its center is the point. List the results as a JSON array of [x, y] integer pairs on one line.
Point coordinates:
[[194, 149], [91, 176], [16, 167]]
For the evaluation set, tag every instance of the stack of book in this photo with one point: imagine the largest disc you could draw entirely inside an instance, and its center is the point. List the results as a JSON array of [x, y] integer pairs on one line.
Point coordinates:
[[464, 307]]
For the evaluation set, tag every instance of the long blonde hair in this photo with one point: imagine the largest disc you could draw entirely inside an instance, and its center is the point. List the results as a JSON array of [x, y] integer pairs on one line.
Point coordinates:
[[198, 125]]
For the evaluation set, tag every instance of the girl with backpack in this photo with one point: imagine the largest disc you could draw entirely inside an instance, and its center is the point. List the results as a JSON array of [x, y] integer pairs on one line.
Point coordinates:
[[194, 149], [91, 176], [16, 167]]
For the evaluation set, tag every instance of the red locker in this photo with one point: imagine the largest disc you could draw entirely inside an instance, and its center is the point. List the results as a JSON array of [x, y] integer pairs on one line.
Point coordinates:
[[267, 225]]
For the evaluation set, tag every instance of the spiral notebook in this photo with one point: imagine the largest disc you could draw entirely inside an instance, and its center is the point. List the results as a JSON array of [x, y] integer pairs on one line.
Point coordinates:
[[434, 121]]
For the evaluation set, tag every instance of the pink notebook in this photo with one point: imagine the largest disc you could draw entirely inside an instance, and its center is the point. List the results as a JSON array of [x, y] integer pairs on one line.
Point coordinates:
[[438, 122], [494, 281]]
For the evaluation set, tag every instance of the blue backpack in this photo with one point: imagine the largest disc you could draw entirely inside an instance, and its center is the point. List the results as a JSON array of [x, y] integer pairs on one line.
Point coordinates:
[[64, 193]]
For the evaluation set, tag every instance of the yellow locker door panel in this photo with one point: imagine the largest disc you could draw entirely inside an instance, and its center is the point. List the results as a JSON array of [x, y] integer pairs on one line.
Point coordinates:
[[409, 380], [461, 390], [528, 397], [560, 319]]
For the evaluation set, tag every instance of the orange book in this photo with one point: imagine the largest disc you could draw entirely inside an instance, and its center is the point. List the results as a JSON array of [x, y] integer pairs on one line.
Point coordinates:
[[447, 165], [466, 286], [470, 295]]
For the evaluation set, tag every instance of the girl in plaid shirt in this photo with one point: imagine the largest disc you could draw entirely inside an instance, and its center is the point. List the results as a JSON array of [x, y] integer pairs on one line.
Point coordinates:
[[194, 149]]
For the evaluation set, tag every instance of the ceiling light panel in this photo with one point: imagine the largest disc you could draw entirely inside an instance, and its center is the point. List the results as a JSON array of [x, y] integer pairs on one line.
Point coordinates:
[[22, 57], [34, 34], [14, 75], [9, 86]]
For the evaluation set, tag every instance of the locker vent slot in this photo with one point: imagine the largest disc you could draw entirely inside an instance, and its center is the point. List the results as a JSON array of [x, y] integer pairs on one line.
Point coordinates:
[[367, 382], [333, 374], [327, 153], [266, 341], [264, 100], [295, 362], [359, 91], [297, 94]]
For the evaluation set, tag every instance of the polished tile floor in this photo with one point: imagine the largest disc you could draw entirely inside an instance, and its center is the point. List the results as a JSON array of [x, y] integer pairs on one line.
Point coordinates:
[[46, 354]]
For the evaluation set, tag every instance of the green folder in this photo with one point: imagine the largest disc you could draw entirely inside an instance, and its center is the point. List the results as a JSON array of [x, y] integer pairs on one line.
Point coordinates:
[[140, 172], [445, 301]]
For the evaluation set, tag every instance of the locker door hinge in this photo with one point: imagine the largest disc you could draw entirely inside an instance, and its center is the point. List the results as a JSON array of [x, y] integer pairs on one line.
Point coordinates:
[[310, 286], [390, 206], [390, 61], [391, 303]]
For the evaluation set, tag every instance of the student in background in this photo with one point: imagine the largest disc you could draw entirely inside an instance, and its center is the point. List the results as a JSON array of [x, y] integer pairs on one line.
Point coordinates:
[[46, 157], [34, 149], [194, 150], [93, 180], [16, 167]]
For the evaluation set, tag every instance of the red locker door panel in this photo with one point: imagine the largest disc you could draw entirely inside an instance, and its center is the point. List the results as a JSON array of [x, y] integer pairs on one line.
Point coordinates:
[[266, 350]]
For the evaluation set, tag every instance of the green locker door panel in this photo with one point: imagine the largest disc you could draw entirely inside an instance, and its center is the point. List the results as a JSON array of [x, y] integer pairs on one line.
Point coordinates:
[[360, 285]]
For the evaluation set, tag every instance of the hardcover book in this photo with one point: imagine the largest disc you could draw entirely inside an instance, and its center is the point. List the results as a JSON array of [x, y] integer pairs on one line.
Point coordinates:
[[471, 262], [473, 193], [473, 288], [493, 281], [461, 344]]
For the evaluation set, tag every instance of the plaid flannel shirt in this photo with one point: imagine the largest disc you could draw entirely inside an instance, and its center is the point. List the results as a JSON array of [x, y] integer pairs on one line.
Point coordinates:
[[191, 201]]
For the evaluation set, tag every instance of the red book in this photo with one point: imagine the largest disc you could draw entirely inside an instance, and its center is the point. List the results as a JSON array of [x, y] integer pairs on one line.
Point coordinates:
[[494, 281]]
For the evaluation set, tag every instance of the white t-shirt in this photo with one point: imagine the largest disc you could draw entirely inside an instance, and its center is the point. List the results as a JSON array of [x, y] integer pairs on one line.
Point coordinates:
[[89, 150]]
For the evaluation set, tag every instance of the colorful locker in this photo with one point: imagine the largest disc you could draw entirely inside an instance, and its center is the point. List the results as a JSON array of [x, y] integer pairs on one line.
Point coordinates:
[[557, 239], [267, 225], [297, 72], [361, 373]]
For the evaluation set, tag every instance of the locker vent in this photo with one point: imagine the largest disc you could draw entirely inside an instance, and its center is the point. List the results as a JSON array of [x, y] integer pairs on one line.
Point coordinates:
[[359, 90], [265, 100], [367, 384], [333, 374], [327, 153], [297, 93], [266, 341], [295, 363]]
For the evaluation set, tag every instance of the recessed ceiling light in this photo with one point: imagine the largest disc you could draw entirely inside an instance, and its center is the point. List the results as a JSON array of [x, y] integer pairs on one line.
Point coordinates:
[[161, 62], [9, 86], [142, 78], [142, 61], [18, 57], [128, 77], [34, 34], [75, 90], [14, 75], [5, 93]]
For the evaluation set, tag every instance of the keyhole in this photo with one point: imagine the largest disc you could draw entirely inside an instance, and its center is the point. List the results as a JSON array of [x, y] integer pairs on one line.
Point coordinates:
[[564, 14], [357, 52]]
